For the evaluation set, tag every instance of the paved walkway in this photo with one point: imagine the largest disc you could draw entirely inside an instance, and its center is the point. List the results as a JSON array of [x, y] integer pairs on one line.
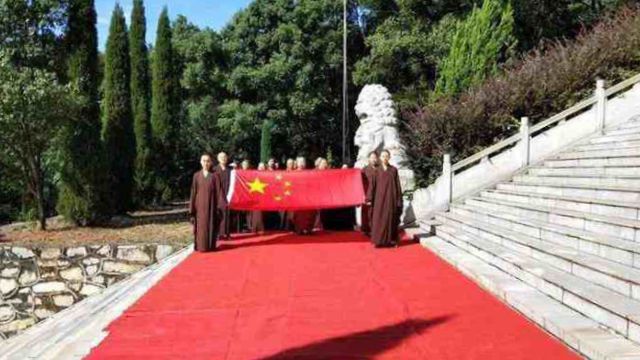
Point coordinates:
[[329, 295]]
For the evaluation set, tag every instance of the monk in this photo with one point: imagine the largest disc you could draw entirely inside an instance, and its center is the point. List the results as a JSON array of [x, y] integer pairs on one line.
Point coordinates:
[[271, 219], [385, 197], [287, 218], [223, 177], [202, 206], [367, 177], [257, 216], [303, 220], [338, 218], [244, 217]]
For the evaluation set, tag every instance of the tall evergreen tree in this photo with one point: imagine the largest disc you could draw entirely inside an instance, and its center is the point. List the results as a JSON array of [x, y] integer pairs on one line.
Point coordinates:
[[117, 127], [265, 141], [480, 43], [140, 103], [82, 189], [164, 108]]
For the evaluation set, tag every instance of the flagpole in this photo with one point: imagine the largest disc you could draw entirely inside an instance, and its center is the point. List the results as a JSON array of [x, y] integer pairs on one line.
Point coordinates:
[[345, 110]]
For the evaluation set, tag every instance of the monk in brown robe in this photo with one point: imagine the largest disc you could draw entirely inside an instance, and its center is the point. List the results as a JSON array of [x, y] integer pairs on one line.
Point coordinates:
[[223, 177], [202, 206], [385, 197], [368, 173], [287, 218], [271, 219], [303, 220]]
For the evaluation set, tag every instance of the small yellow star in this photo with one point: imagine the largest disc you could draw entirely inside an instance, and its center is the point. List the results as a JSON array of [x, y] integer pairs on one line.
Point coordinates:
[[287, 193], [277, 198], [279, 177], [287, 183], [257, 186]]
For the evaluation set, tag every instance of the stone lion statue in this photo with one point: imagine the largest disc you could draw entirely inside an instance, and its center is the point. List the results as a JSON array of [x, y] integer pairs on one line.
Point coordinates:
[[378, 126], [378, 131]]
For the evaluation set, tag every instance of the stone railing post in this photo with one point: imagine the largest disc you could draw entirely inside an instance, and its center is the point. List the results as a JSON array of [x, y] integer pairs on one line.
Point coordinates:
[[448, 177], [525, 136], [601, 103]]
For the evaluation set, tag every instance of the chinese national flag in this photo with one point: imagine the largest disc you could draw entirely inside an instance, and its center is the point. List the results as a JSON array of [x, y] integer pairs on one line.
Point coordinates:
[[295, 190]]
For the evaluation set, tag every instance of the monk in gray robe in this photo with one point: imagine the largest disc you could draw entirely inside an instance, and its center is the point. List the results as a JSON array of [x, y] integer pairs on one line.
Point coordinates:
[[203, 206]]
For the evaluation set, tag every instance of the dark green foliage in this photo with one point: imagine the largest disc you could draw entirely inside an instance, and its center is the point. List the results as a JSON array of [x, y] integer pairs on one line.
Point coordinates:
[[82, 185], [140, 103], [406, 44], [543, 83], [285, 65], [265, 142], [199, 61], [164, 108], [117, 127], [480, 42]]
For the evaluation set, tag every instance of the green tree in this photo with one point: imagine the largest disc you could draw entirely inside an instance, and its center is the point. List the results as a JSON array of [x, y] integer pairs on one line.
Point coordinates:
[[140, 103], [33, 106], [480, 43], [117, 126], [265, 142], [164, 107], [285, 65], [30, 40], [82, 186], [199, 61]]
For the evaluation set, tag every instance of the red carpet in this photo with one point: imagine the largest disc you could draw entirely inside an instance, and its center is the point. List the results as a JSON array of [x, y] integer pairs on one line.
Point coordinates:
[[326, 296]]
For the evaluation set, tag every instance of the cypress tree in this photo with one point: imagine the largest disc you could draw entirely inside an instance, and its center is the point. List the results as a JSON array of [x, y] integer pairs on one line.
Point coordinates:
[[82, 187], [480, 42], [117, 127], [140, 103], [265, 141], [163, 107]]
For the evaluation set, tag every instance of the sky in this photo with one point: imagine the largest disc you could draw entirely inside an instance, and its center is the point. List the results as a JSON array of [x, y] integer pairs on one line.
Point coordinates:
[[204, 13]]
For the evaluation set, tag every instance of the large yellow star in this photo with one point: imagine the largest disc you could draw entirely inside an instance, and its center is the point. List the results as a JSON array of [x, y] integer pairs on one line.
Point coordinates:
[[257, 186]]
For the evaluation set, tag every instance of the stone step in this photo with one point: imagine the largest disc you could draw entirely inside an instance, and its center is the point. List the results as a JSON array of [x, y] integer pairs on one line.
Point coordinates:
[[598, 154], [586, 171], [617, 277], [608, 145], [607, 307], [602, 162], [609, 247], [585, 204], [622, 131], [608, 225], [614, 193], [595, 181], [629, 124], [614, 138], [575, 329]]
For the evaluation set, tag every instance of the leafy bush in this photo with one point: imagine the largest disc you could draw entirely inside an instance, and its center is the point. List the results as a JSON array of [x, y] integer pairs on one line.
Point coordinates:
[[545, 81]]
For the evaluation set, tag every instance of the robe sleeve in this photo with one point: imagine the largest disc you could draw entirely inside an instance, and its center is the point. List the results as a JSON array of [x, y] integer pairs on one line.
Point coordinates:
[[398, 190], [192, 198]]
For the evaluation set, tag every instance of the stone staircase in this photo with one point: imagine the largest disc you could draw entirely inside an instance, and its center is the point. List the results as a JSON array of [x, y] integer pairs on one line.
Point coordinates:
[[560, 242]]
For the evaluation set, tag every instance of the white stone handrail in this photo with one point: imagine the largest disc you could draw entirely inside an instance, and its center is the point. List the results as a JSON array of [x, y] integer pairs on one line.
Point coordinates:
[[504, 158]]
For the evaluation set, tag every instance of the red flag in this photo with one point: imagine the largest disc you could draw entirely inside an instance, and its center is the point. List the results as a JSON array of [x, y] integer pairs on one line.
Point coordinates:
[[295, 190]]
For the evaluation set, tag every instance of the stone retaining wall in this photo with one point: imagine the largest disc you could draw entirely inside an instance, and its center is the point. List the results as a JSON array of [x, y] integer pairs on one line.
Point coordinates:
[[38, 282]]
